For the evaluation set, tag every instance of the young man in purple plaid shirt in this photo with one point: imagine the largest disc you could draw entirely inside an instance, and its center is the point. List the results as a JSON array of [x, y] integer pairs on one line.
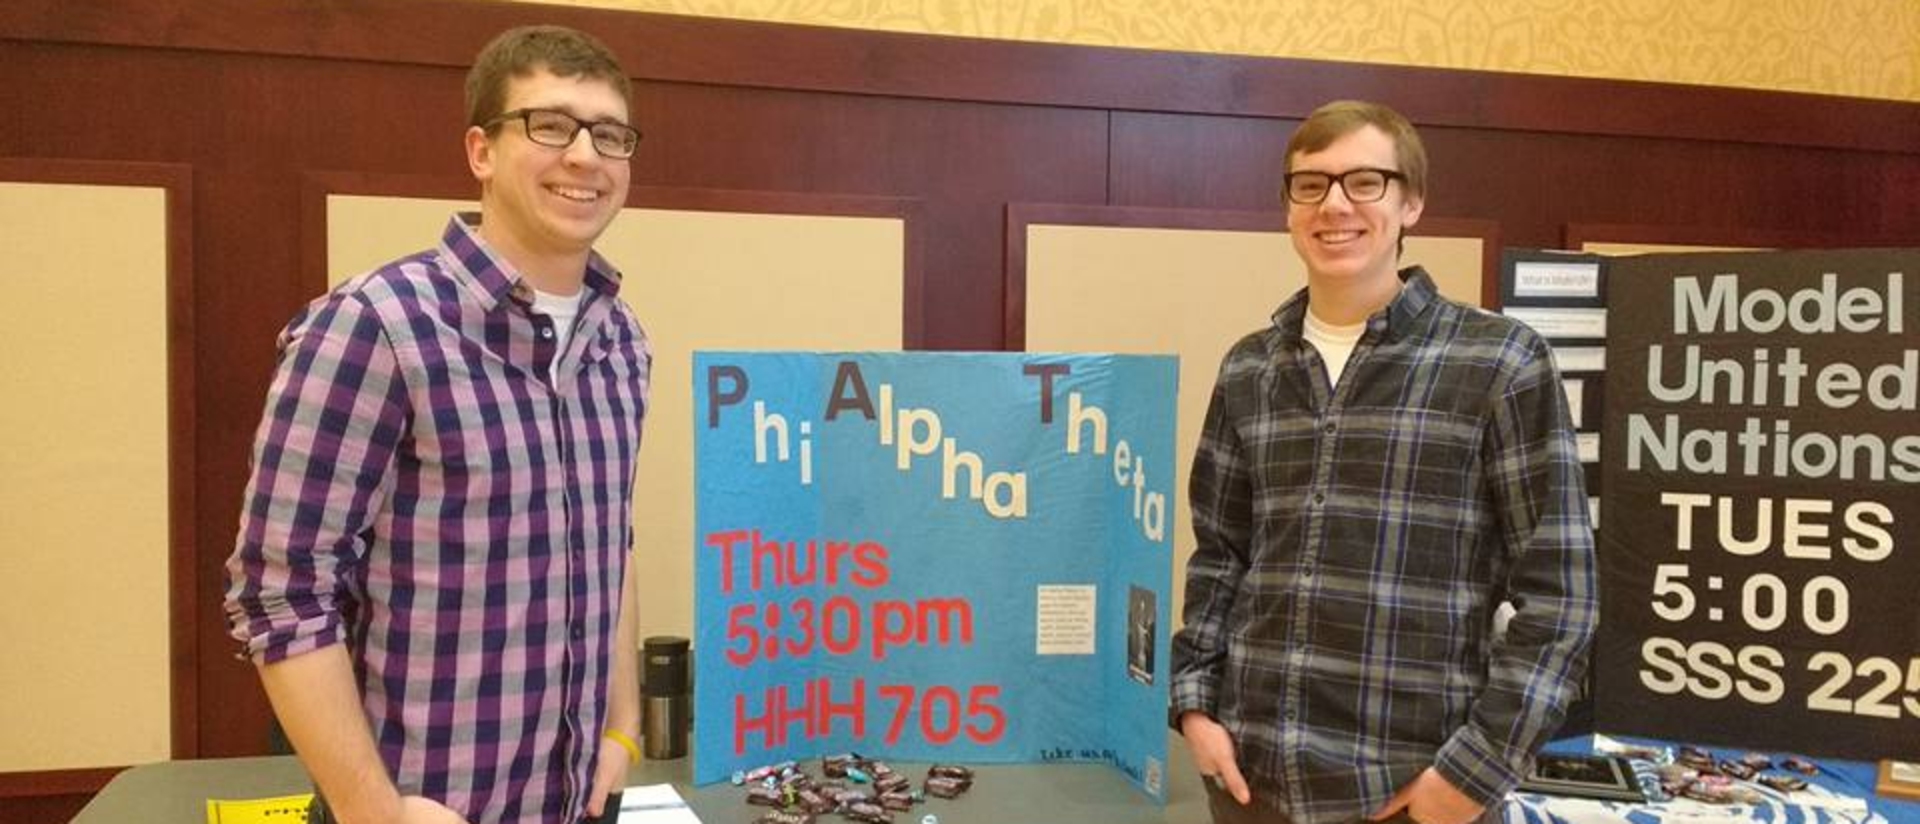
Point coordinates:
[[431, 572], [1378, 470]]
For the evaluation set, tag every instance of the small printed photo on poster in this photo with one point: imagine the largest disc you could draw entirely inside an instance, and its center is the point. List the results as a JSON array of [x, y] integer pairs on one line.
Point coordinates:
[[1143, 627]]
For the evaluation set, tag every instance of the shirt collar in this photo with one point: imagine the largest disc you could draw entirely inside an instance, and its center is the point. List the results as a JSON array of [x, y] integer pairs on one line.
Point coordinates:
[[494, 277], [1396, 320]]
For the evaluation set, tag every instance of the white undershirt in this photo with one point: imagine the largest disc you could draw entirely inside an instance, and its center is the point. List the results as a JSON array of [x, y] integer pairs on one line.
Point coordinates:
[[563, 309], [1335, 343]]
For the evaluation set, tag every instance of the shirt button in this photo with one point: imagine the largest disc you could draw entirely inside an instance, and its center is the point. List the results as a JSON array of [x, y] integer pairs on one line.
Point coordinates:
[[1306, 571], [546, 333], [579, 632], [1319, 498], [1290, 714], [1329, 428]]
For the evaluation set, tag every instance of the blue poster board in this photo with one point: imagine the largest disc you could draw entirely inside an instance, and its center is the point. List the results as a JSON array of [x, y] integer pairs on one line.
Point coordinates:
[[933, 557]]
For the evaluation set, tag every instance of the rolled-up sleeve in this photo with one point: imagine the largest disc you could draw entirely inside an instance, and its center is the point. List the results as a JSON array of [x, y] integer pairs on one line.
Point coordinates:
[[321, 464]]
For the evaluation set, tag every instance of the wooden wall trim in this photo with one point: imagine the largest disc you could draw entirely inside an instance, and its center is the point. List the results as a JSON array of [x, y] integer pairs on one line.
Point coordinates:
[[183, 603], [317, 185], [56, 782], [1019, 216], [1580, 234], [686, 49]]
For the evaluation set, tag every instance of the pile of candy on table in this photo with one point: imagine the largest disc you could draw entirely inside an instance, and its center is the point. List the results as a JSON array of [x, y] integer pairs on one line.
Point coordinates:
[[1697, 774], [858, 789]]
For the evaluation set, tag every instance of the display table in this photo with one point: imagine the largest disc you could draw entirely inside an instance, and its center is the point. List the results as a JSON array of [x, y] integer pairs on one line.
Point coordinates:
[[176, 792], [1841, 792]]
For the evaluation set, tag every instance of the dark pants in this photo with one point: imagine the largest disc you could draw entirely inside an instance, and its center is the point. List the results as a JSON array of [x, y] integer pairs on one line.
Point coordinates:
[[317, 812], [1226, 810], [1261, 810]]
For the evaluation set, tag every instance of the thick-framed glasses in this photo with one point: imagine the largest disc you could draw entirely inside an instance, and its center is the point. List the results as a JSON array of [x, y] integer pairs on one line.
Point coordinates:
[[1361, 185], [550, 127]]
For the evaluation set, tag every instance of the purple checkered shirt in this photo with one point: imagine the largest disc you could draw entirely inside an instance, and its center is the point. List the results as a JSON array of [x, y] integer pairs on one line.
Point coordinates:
[[423, 493]]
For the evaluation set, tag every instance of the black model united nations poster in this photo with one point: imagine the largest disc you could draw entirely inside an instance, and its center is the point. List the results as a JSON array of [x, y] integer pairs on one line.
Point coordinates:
[[1761, 560], [933, 557]]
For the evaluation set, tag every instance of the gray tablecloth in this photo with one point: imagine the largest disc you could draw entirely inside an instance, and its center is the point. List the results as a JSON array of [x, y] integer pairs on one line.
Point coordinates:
[[176, 792]]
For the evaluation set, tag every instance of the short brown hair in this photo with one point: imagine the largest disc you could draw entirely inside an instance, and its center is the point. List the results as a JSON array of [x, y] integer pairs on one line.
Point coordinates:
[[520, 52], [1344, 117]]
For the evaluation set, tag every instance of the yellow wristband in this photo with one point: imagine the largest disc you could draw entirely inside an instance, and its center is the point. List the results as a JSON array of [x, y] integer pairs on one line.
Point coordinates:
[[633, 750]]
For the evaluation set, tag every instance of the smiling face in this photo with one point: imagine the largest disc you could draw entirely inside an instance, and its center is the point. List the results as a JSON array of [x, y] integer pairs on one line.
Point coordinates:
[[1349, 245], [543, 207]]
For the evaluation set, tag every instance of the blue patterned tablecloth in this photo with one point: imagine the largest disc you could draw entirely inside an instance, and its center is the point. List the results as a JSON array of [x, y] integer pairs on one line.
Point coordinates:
[[1842, 793]]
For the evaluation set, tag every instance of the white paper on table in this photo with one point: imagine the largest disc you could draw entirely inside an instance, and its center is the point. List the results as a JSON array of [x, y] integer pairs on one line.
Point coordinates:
[[654, 804]]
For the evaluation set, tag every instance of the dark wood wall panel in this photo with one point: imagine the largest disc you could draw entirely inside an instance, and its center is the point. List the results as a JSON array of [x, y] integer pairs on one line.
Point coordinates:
[[50, 796], [262, 97], [1535, 183], [1182, 161]]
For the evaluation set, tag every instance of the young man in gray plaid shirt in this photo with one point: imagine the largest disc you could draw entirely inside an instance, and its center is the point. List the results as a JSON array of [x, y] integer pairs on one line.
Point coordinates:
[[1379, 469]]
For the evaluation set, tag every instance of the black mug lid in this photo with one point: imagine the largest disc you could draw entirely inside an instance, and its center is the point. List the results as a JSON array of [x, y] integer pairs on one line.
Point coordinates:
[[665, 645]]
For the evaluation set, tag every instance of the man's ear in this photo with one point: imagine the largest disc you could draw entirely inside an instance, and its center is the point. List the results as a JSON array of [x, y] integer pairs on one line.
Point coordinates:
[[479, 154], [1410, 211]]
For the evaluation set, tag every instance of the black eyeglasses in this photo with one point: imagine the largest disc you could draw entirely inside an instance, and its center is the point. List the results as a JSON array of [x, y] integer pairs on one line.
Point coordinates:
[[549, 127], [1361, 185]]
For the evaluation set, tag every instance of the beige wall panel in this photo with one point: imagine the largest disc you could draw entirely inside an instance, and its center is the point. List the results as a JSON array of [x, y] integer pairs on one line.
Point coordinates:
[[367, 232], [1187, 292], [697, 280], [83, 477], [1456, 264]]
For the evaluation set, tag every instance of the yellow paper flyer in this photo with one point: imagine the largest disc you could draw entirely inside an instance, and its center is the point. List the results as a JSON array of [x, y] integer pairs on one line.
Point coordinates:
[[287, 809]]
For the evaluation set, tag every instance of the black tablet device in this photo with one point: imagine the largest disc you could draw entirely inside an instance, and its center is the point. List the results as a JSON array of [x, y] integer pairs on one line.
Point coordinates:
[[1583, 776]]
